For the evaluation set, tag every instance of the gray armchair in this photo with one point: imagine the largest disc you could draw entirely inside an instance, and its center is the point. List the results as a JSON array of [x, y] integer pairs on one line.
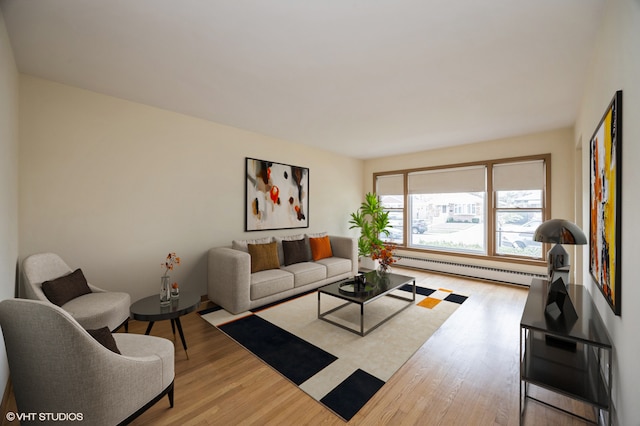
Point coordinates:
[[97, 309], [56, 366]]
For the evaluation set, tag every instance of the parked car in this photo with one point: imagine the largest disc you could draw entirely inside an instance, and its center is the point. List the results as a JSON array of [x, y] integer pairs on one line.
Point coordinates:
[[520, 236], [395, 235], [419, 226]]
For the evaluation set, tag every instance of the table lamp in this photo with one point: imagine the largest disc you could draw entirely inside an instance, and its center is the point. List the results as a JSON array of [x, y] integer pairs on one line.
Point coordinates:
[[559, 231]]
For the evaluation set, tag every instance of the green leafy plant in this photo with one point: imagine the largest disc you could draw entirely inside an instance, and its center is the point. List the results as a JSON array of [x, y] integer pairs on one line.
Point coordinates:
[[373, 221]]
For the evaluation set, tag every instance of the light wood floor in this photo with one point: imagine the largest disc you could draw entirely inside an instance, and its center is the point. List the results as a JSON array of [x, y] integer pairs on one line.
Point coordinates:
[[465, 374]]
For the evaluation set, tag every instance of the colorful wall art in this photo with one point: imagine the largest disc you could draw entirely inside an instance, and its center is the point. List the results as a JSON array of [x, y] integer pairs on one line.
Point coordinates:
[[605, 203], [277, 196]]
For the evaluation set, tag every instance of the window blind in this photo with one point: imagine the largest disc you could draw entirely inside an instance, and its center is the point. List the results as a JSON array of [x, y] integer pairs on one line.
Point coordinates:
[[460, 179], [390, 185], [520, 176]]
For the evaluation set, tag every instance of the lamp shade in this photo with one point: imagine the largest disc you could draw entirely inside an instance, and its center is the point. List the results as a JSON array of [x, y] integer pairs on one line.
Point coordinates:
[[559, 231]]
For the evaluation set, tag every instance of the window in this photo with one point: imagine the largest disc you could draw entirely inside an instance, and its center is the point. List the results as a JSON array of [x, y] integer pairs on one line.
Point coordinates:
[[390, 189], [483, 209], [447, 209], [519, 191]]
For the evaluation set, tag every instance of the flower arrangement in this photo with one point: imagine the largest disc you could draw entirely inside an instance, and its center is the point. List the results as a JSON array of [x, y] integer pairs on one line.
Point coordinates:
[[169, 263], [384, 254]]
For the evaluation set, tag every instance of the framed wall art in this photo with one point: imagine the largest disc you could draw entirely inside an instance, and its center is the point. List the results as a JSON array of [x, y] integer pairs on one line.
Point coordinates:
[[277, 196], [605, 203]]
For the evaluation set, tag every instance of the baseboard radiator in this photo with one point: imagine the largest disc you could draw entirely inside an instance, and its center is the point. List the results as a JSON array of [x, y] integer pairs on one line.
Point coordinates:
[[471, 271]]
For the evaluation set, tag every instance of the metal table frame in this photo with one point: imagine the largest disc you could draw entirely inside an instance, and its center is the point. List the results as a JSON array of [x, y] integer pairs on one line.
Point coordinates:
[[397, 282]]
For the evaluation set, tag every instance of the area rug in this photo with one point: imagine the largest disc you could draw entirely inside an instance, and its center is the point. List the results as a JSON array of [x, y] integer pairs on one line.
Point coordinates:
[[338, 368]]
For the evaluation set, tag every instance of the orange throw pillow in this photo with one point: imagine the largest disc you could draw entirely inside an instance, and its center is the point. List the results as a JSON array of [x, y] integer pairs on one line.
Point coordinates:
[[320, 248]]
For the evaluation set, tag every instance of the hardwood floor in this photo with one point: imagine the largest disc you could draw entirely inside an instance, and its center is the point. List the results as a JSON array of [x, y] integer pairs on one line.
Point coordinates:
[[465, 374]]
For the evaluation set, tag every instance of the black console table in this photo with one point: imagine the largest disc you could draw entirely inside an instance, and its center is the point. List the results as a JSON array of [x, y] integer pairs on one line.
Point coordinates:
[[571, 358]]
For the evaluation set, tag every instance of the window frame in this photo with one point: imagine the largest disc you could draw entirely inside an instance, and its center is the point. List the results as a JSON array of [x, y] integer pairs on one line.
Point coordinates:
[[402, 209], [491, 208]]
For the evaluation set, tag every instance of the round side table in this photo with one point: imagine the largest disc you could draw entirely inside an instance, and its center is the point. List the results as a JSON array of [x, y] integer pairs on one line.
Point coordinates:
[[149, 309]]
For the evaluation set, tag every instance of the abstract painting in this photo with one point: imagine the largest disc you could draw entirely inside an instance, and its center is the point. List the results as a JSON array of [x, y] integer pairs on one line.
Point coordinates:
[[277, 196], [605, 203]]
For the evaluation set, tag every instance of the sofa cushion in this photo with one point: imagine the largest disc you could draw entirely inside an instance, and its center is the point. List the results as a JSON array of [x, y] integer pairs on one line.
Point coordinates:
[[263, 257], [306, 273], [269, 282], [243, 245], [320, 247], [114, 307], [294, 251], [61, 290], [105, 338], [336, 265]]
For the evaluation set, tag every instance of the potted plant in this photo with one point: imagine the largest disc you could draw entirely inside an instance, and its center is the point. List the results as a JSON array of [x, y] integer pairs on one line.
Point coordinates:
[[373, 221]]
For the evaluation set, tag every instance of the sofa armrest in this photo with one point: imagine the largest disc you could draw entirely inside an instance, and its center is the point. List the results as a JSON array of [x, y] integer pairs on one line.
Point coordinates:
[[229, 279], [346, 248]]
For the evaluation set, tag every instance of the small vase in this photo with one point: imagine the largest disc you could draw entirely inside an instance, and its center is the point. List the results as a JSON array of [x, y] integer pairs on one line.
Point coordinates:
[[165, 296], [175, 292], [383, 270]]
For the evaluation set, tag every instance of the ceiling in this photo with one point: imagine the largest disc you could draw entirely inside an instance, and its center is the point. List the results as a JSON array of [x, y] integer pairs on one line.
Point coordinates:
[[365, 78]]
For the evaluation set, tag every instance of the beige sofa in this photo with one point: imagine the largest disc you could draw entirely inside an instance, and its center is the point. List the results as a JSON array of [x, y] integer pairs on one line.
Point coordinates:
[[233, 286]]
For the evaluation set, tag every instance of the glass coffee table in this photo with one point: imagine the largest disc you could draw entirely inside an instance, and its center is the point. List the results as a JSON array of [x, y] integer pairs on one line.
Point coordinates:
[[149, 309], [375, 288]]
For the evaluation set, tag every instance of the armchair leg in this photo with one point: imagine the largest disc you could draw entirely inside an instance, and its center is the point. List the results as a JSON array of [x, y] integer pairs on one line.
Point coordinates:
[[170, 395], [168, 391]]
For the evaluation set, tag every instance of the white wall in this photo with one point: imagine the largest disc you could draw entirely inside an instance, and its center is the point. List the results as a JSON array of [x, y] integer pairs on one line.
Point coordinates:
[[8, 179], [559, 143], [113, 186], [616, 66]]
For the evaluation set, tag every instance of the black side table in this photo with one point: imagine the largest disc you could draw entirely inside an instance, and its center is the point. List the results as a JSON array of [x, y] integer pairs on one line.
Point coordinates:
[[149, 309], [574, 359]]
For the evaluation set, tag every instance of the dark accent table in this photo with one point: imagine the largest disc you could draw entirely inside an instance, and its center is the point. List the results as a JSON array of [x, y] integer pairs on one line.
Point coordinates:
[[149, 309], [380, 287], [573, 359]]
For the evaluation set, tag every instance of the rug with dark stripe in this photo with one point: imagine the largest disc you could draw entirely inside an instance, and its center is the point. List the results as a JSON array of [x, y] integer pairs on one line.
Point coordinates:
[[338, 368]]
